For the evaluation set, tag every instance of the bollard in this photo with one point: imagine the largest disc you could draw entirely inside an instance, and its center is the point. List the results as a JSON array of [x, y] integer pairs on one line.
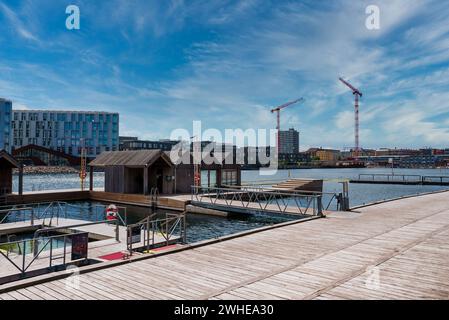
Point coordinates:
[[319, 206], [344, 205]]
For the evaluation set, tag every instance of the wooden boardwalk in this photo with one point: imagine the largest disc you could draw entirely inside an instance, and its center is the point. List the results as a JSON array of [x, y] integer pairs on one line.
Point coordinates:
[[394, 250]]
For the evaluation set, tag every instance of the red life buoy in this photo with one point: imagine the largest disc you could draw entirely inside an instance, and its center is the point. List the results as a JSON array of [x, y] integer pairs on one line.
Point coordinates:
[[111, 212]]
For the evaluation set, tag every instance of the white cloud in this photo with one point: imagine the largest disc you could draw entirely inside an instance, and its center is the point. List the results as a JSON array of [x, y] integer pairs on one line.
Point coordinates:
[[17, 24]]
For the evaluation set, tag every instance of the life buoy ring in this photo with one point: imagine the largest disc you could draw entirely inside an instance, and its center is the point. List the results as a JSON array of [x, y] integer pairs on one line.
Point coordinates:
[[83, 174], [111, 212]]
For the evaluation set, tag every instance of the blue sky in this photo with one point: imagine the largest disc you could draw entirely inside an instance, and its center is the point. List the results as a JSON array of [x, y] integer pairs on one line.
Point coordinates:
[[163, 64]]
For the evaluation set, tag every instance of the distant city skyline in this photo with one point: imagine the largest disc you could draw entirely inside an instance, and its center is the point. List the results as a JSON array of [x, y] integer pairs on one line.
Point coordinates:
[[164, 64]]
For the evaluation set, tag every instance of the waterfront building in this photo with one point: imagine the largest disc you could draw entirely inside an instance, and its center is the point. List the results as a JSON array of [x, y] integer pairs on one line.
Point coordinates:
[[398, 152], [5, 124], [32, 155], [66, 131], [130, 144], [294, 158], [289, 141], [141, 171], [327, 155], [125, 139]]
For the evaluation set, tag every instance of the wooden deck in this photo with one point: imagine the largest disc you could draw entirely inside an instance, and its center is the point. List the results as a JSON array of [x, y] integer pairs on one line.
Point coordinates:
[[394, 250], [291, 185]]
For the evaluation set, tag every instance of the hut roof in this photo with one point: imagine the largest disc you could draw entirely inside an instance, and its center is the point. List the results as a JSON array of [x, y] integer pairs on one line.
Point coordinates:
[[6, 156], [136, 159]]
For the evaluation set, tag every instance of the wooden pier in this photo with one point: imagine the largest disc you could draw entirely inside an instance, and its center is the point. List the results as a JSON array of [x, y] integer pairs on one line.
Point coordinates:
[[393, 250]]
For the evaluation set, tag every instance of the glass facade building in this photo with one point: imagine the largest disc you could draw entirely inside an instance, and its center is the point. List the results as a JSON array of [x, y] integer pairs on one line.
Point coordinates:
[[66, 131], [289, 141], [5, 124]]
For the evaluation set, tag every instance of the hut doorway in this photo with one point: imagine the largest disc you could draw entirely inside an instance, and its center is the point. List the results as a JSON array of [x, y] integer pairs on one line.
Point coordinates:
[[160, 180]]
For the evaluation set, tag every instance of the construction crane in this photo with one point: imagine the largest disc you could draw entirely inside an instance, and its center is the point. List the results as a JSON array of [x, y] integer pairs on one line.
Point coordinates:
[[357, 94], [278, 115]]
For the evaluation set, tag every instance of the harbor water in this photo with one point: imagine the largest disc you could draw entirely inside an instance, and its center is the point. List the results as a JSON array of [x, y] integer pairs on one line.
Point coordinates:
[[359, 194], [201, 227]]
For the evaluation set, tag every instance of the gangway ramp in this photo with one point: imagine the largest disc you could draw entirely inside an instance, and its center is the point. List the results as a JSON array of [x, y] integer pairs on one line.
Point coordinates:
[[300, 184]]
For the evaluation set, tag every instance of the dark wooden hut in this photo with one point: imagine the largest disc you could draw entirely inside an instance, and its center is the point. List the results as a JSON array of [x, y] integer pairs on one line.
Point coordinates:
[[138, 172], [135, 172], [7, 164]]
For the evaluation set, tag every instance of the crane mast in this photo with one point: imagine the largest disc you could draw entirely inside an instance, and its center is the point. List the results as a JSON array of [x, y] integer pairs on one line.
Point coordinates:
[[357, 95]]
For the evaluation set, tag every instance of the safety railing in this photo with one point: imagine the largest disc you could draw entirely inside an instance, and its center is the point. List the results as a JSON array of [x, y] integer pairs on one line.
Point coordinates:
[[41, 252], [49, 213], [265, 200], [435, 179], [169, 228], [390, 177], [21, 214]]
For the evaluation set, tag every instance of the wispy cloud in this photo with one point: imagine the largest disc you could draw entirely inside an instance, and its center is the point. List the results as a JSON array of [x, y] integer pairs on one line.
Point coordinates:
[[19, 27]]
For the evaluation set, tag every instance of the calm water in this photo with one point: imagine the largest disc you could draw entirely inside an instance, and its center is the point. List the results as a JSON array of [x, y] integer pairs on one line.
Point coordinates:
[[359, 193], [207, 227]]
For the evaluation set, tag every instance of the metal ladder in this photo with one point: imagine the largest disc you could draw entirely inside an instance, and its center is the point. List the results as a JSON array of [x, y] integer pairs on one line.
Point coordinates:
[[154, 197]]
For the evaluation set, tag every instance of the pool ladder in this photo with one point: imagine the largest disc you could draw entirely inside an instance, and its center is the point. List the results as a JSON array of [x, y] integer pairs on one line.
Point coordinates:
[[154, 197]]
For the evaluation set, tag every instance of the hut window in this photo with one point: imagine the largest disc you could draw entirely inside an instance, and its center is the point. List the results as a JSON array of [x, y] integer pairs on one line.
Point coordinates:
[[229, 177]]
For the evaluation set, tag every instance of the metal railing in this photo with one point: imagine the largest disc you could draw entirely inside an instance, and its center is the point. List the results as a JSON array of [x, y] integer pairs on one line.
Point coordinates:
[[402, 178], [20, 215], [265, 200], [50, 212], [172, 228], [390, 177], [23, 254], [435, 179]]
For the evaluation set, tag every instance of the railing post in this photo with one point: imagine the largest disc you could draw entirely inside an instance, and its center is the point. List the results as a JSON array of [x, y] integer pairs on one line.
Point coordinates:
[[35, 246], [184, 229], [148, 233], [51, 252], [117, 231], [65, 250], [166, 228], [24, 256]]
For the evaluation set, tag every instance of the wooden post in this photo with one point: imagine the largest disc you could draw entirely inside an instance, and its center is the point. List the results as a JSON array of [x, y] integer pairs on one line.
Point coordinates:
[[20, 179], [145, 180], [91, 178]]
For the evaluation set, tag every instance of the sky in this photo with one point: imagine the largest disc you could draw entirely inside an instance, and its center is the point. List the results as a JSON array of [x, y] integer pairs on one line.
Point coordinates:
[[163, 64]]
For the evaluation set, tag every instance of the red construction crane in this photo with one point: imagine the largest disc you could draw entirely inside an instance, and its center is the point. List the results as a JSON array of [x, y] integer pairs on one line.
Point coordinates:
[[278, 115], [357, 94]]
